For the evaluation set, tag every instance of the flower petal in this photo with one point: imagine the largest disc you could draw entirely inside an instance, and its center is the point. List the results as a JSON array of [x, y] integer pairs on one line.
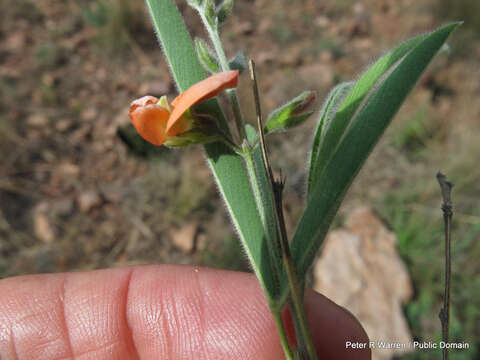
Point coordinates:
[[197, 93], [143, 101], [150, 121]]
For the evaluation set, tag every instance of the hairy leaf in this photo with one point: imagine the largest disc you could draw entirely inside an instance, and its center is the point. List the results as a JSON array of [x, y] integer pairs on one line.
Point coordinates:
[[357, 142], [206, 56], [227, 167], [330, 107]]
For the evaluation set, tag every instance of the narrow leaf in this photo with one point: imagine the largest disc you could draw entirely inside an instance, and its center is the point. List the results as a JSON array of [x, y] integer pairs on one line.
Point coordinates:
[[356, 145], [330, 107], [227, 167], [263, 193], [209, 12], [206, 56], [355, 98]]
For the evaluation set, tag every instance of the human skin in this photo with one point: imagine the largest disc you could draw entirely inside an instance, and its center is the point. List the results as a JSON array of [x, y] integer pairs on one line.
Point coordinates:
[[157, 312]]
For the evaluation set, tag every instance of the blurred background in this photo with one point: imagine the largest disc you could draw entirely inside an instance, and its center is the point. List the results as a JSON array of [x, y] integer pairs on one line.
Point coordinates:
[[80, 190]]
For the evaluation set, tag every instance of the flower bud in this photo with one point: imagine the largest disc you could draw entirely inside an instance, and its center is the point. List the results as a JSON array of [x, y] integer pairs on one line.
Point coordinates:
[[291, 114]]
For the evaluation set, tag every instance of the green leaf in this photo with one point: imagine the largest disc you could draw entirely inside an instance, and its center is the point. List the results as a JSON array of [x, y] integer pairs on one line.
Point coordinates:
[[354, 99], [329, 109], [227, 167], [206, 56], [287, 115], [356, 144], [263, 194]]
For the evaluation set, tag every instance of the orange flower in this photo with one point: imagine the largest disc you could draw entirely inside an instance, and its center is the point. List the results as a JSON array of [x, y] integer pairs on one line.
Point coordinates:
[[157, 122]]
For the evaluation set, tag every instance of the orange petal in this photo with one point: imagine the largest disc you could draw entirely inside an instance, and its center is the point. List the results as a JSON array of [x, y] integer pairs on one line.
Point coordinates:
[[197, 93], [150, 121], [143, 101]]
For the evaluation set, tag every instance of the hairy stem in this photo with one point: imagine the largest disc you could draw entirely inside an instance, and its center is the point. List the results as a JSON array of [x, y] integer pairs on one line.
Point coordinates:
[[222, 58], [283, 335]]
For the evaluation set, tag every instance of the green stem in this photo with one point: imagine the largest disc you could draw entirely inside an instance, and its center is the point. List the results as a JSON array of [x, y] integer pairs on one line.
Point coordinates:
[[283, 335], [222, 58], [237, 114], [296, 290], [217, 44], [299, 310]]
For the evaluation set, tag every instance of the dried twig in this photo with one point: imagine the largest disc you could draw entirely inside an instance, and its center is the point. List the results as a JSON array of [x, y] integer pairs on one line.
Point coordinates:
[[444, 315]]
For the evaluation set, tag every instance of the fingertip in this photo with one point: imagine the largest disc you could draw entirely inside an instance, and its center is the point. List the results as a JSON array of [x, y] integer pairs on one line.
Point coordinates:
[[332, 326]]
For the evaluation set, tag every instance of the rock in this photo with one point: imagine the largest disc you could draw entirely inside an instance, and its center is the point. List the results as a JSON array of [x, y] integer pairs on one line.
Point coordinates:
[[68, 169], [89, 114], [37, 120], [322, 21], [364, 44], [184, 238], [360, 269], [88, 200], [42, 226], [63, 125]]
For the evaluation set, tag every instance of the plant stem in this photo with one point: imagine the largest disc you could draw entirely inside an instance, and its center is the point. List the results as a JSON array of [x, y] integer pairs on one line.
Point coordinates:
[[299, 310], [277, 189], [444, 315], [283, 335], [237, 114], [296, 293], [222, 58]]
